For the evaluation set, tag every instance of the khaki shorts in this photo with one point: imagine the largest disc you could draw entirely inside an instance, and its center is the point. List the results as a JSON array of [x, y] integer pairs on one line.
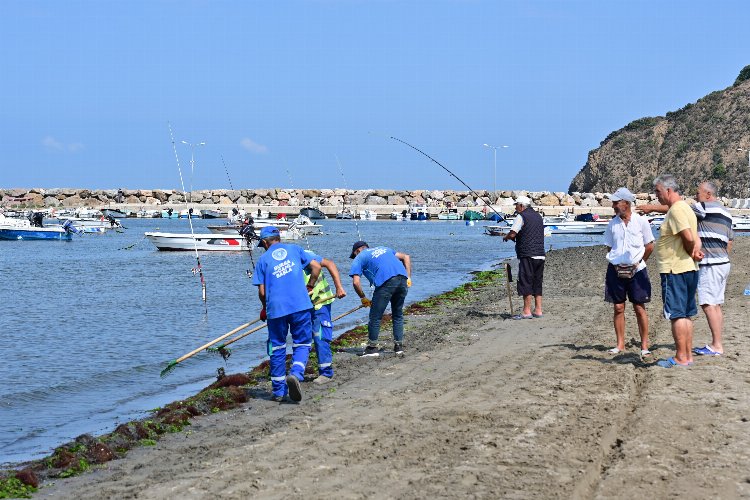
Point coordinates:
[[712, 280]]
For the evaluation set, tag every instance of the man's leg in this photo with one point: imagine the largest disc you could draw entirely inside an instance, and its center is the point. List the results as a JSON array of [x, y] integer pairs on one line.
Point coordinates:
[[524, 283], [619, 320], [538, 279], [538, 305], [277, 329], [380, 298], [715, 317], [527, 305], [322, 336], [642, 317], [397, 308], [301, 327], [682, 332]]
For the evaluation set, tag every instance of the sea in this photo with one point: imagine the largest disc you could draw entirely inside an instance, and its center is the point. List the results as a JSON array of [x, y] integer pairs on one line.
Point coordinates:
[[88, 325]]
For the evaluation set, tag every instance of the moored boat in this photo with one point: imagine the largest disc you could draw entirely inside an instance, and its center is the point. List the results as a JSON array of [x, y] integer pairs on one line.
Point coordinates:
[[114, 212], [367, 214], [312, 213], [22, 229], [473, 215], [212, 214], [205, 242]]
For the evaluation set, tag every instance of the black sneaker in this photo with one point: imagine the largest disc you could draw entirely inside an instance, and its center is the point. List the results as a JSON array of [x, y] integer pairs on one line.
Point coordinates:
[[295, 390], [371, 350], [398, 348]]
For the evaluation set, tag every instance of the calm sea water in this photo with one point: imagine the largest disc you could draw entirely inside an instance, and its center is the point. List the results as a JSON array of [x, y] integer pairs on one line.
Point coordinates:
[[88, 325]]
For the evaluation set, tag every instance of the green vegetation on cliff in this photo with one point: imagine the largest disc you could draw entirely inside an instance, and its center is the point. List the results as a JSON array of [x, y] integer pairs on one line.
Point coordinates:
[[698, 142]]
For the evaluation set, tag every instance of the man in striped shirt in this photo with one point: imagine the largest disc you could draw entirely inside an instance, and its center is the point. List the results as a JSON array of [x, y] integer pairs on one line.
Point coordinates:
[[716, 234]]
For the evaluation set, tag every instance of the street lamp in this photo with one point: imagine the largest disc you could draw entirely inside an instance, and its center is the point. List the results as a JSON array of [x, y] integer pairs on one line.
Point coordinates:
[[192, 164], [494, 153]]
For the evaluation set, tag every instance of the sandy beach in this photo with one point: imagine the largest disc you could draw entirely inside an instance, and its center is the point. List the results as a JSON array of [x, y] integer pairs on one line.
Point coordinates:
[[480, 407]]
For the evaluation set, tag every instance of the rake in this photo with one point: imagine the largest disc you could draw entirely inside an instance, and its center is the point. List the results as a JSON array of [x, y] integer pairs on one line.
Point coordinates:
[[172, 364]]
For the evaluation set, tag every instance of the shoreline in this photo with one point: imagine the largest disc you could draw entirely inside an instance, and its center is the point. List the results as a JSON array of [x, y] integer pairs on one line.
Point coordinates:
[[481, 407]]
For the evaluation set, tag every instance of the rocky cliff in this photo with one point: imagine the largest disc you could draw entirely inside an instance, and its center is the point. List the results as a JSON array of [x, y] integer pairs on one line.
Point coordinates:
[[707, 140]]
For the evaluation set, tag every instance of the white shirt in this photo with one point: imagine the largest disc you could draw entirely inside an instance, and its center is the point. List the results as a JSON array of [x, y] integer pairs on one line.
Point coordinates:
[[628, 242]]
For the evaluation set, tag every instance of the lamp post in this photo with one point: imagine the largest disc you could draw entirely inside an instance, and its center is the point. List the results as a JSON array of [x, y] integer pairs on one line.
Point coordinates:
[[494, 154], [192, 164]]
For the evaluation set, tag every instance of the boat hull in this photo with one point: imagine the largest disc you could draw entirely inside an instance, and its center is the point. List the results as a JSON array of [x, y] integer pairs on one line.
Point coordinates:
[[204, 242], [312, 213], [34, 233]]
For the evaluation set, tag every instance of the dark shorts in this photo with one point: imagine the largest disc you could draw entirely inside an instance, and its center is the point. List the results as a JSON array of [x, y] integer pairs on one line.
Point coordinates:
[[636, 289], [678, 294], [530, 276]]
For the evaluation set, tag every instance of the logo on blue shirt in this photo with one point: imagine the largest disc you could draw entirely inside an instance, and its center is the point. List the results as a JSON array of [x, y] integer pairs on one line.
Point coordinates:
[[279, 254]]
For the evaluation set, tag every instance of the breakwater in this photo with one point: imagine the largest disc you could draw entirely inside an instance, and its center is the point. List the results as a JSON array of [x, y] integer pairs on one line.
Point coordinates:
[[275, 200]]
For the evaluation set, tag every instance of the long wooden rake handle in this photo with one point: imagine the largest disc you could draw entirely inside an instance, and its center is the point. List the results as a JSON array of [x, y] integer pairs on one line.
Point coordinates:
[[224, 345], [217, 339]]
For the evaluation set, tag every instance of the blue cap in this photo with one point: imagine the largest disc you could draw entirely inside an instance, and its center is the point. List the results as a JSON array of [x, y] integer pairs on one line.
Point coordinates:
[[268, 232]]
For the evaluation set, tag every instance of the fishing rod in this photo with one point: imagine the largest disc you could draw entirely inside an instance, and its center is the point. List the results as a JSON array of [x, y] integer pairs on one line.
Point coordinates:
[[199, 269], [502, 216], [248, 234], [346, 186]]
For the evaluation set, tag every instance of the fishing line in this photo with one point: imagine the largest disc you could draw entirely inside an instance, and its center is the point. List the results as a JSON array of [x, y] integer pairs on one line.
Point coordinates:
[[489, 204], [196, 270], [346, 186], [249, 235], [293, 225]]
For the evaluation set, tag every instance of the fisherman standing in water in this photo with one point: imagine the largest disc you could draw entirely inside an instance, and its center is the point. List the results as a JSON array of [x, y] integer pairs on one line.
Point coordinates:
[[287, 306]]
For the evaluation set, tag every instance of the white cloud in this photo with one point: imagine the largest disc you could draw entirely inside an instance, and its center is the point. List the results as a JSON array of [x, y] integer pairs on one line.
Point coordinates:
[[253, 146], [50, 142]]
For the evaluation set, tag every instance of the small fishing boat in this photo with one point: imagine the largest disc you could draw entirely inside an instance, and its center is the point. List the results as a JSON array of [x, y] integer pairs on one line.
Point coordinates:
[[189, 212], [418, 211], [312, 213], [91, 224], [170, 213], [148, 214], [212, 214], [345, 213], [205, 242], [114, 212], [368, 214], [22, 229], [577, 228], [450, 212], [473, 215], [741, 224], [496, 230]]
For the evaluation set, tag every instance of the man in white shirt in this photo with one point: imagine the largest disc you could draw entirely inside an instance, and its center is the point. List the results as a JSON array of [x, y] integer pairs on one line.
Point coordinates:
[[630, 242]]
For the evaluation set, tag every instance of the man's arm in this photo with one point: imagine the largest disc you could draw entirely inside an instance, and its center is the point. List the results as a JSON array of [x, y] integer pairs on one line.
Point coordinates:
[[334, 272], [691, 243], [315, 268], [262, 295], [406, 259], [647, 209], [647, 252], [512, 236]]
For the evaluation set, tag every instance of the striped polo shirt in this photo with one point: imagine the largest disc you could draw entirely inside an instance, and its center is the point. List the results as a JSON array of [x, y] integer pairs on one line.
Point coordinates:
[[714, 230]]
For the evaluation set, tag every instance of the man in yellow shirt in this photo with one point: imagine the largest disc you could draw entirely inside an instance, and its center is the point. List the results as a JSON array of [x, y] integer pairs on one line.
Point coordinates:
[[677, 250]]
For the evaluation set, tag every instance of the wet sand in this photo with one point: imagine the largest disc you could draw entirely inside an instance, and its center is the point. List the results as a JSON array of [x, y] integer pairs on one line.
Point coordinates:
[[481, 407]]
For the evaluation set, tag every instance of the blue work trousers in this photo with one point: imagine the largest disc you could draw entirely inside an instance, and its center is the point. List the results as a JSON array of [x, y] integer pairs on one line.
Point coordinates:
[[300, 325], [322, 329], [394, 291]]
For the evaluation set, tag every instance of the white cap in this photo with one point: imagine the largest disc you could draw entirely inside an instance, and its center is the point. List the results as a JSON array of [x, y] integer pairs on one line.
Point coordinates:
[[524, 200], [623, 194]]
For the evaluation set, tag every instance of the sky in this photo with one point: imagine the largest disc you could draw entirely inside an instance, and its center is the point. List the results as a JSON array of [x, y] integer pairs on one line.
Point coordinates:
[[308, 93]]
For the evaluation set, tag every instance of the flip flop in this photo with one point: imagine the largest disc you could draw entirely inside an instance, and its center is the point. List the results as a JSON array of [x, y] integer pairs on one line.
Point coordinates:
[[521, 316], [670, 363], [645, 353], [706, 351], [537, 315], [614, 350]]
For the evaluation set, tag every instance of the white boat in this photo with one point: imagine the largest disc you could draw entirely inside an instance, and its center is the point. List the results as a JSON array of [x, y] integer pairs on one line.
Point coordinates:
[[23, 229], [189, 212], [577, 228], [208, 213], [396, 215], [148, 214], [114, 212], [741, 224], [418, 211], [449, 214], [91, 224], [368, 214], [344, 213], [496, 230], [205, 242]]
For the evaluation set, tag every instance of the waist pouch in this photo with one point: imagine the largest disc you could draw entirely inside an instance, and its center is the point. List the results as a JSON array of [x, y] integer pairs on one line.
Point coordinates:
[[626, 272]]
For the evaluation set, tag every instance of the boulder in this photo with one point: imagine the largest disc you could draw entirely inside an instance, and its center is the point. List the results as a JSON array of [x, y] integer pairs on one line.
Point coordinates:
[[72, 201], [437, 195], [51, 201], [384, 193], [549, 200], [375, 200], [396, 200], [466, 201]]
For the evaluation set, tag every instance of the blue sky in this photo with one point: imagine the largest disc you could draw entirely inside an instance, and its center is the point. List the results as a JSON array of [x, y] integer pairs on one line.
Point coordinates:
[[280, 89]]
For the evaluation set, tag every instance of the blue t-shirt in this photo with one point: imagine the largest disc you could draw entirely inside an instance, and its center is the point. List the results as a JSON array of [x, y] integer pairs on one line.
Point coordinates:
[[280, 270], [378, 265]]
